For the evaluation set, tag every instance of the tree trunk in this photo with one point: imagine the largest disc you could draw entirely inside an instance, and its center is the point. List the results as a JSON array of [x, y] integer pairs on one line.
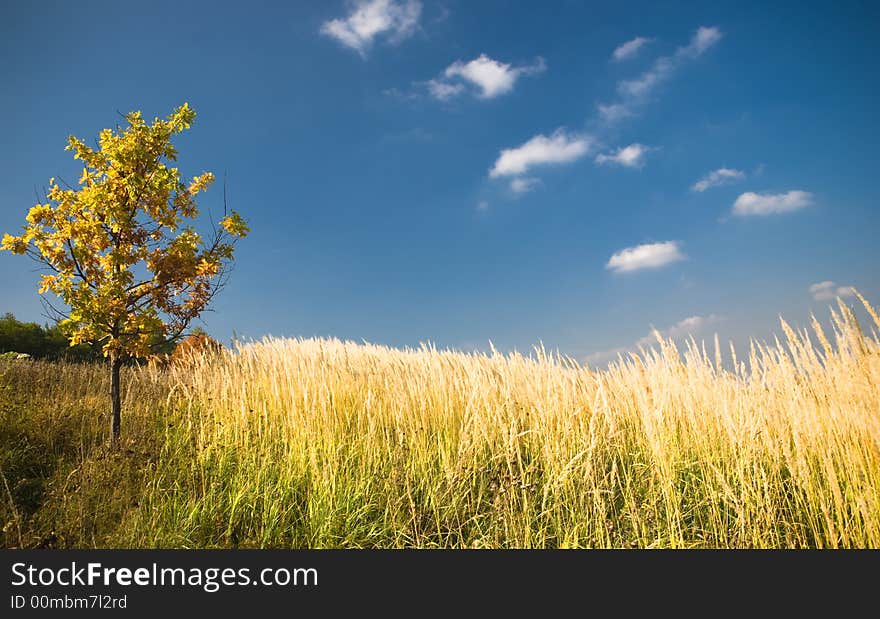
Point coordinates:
[[115, 403]]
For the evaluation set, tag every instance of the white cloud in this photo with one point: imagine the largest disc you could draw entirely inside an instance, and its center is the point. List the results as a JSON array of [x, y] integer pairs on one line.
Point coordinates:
[[647, 256], [751, 203], [613, 112], [640, 86], [406, 95], [828, 290], [702, 40], [524, 184], [716, 178], [632, 156], [442, 90], [395, 20], [560, 147], [482, 205], [634, 92], [688, 326], [490, 77], [629, 49]]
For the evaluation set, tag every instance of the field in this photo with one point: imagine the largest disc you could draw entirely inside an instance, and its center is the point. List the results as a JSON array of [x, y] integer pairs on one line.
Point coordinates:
[[322, 443]]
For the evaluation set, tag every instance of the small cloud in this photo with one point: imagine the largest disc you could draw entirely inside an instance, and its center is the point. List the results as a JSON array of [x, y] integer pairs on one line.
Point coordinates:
[[751, 203], [647, 256], [716, 178], [823, 291], [397, 93], [688, 326], [634, 93], [560, 147], [483, 205], [630, 49], [524, 184], [613, 112], [394, 20], [491, 78], [442, 91], [643, 84], [632, 156], [828, 290], [703, 39]]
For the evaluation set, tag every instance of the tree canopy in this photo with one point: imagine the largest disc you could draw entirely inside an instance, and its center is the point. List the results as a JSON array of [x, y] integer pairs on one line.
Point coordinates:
[[120, 250]]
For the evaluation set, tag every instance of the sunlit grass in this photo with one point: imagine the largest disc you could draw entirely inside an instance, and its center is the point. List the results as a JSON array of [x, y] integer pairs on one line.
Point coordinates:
[[322, 443]]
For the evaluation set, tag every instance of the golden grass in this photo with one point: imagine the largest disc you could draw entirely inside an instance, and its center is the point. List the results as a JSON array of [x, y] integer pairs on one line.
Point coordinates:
[[322, 443]]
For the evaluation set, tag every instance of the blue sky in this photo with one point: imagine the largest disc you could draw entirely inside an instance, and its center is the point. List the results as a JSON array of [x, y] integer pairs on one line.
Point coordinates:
[[459, 172]]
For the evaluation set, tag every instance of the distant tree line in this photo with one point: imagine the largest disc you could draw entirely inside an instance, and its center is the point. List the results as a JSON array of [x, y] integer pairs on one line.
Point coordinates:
[[49, 342]]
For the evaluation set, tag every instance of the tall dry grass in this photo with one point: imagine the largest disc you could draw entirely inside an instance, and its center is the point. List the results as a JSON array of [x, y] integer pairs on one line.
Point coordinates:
[[325, 443], [321, 443]]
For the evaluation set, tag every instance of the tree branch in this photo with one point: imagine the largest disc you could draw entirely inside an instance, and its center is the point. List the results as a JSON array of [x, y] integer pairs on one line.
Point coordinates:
[[76, 264]]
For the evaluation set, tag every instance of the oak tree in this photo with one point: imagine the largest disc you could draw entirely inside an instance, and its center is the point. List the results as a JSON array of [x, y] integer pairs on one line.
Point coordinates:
[[121, 250]]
